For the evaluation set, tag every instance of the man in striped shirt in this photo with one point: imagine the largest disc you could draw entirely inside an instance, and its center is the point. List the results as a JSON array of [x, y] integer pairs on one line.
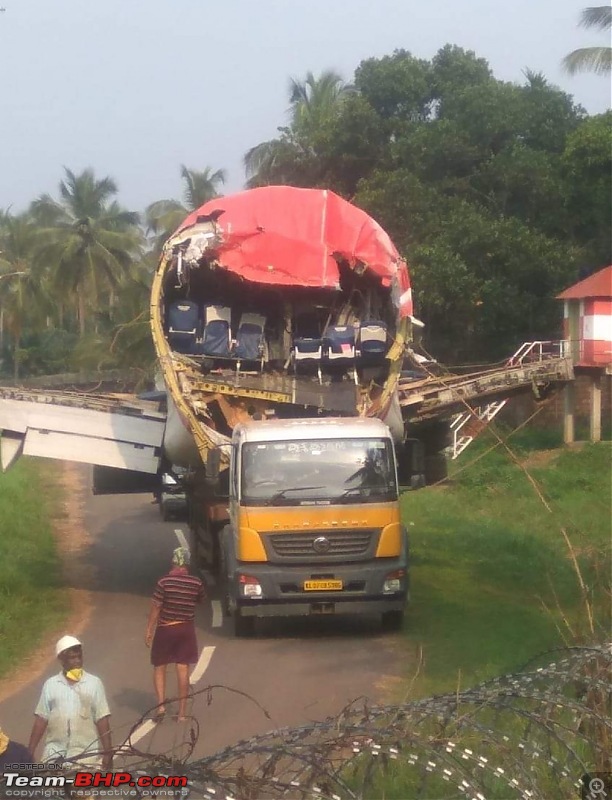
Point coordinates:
[[171, 629]]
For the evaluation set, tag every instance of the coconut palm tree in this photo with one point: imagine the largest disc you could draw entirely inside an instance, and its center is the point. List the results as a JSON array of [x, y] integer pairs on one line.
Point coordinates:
[[131, 342], [24, 300], [164, 216], [313, 102], [86, 237], [592, 59]]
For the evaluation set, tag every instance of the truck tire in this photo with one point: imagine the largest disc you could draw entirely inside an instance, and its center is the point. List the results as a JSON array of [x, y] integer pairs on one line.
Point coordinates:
[[393, 620], [243, 626], [226, 600], [224, 585]]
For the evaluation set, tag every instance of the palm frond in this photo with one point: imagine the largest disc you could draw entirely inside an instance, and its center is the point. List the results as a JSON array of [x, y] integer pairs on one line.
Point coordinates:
[[46, 211], [201, 185], [260, 156], [84, 195], [599, 17], [589, 59], [157, 214]]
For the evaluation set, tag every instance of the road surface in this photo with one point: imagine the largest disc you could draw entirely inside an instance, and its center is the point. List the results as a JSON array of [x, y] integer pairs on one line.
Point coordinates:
[[296, 670]]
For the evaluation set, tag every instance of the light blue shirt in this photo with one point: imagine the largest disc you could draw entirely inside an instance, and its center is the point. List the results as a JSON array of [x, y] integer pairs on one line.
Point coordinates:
[[72, 710]]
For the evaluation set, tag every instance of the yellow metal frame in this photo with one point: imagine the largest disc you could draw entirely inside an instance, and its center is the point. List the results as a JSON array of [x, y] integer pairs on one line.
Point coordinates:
[[168, 365]]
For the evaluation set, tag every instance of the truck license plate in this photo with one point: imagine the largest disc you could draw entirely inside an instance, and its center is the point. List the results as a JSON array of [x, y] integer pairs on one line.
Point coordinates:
[[322, 586]]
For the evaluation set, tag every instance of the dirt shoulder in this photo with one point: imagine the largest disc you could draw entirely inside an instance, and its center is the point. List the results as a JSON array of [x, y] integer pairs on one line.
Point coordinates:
[[71, 540]]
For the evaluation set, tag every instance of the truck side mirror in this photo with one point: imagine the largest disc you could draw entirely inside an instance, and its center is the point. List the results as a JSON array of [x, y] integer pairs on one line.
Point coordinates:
[[211, 469]]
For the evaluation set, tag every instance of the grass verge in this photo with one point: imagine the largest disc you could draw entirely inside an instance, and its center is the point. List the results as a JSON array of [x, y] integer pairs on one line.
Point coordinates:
[[492, 580], [31, 601]]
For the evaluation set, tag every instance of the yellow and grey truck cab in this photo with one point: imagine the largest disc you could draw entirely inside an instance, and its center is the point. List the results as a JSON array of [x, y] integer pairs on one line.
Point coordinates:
[[314, 522]]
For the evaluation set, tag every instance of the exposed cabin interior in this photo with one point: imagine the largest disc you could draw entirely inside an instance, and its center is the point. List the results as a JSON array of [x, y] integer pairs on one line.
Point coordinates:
[[233, 328]]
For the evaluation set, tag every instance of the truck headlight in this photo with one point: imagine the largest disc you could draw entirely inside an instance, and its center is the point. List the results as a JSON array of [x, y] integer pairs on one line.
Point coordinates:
[[394, 581], [249, 586]]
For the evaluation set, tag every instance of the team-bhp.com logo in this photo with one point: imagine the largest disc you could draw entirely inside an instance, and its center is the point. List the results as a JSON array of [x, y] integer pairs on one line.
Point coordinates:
[[19, 785]]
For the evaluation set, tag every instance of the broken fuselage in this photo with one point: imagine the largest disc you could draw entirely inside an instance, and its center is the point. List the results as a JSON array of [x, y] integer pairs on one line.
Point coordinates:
[[277, 302]]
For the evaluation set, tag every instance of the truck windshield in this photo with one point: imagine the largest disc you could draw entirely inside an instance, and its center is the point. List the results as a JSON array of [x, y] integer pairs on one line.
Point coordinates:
[[319, 472]]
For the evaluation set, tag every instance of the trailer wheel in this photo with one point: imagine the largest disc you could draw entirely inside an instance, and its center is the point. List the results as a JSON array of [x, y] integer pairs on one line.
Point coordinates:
[[243, 626], [392, 620]]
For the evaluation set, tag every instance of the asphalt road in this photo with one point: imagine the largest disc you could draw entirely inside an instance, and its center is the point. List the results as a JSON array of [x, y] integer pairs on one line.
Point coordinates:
[[292, 672]]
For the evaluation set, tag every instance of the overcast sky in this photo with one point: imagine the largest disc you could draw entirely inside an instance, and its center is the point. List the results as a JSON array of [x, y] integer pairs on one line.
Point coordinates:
[[134, 88]]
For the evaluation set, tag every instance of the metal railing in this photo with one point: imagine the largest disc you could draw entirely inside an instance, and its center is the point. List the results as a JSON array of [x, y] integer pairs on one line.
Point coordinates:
[[540, 351], [480, 414], [528, 353]]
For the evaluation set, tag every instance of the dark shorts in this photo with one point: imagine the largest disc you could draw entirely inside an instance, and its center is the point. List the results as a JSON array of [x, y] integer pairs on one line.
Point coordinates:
[[174, 644]]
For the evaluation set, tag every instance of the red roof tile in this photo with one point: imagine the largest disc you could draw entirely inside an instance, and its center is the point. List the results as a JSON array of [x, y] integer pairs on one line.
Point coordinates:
[[597, 285]]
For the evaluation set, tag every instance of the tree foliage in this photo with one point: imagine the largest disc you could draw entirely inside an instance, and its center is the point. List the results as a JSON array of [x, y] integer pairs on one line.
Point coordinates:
[[484, 185], [314, 103], [163, 217], [87, 237], [592, 59], [497, 193], [24, 300]]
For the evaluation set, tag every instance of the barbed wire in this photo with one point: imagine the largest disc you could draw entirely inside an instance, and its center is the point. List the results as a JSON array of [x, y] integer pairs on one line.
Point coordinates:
[[530, 735]]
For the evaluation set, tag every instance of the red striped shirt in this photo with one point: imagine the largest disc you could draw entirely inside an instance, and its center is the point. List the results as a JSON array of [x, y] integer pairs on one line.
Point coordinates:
[[177, 593]]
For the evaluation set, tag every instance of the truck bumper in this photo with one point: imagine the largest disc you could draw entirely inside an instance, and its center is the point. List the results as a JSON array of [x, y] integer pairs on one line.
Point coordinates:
[[283, 591]]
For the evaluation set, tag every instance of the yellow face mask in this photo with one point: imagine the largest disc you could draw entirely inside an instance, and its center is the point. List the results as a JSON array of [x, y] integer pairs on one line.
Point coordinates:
[[74, 674]]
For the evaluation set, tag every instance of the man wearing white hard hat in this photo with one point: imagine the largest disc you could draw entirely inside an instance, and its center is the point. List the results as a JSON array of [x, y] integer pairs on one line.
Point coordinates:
[[72, 713]]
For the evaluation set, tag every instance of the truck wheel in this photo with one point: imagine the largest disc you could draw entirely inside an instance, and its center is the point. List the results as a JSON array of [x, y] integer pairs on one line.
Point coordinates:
[[224, 585], [243, 626], [392, 620], [225, 598]]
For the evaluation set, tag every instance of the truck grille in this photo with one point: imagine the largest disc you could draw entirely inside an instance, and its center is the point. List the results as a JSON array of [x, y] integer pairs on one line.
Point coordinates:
[[338, 545]]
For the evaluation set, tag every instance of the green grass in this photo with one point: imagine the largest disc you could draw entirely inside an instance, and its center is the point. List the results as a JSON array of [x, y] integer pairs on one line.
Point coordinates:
[[491, 574], [31, 600]]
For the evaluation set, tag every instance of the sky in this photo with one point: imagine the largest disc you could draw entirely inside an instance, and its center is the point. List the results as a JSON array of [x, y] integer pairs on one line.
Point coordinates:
[[134, 89]]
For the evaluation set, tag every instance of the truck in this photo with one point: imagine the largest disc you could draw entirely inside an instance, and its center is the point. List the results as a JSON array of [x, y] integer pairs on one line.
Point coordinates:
[[280, 313], [314, 522], [283, 325]]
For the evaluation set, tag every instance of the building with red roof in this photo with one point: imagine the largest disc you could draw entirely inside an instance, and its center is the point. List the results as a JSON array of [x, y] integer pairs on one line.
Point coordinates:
[[588, 319], [587, 325]]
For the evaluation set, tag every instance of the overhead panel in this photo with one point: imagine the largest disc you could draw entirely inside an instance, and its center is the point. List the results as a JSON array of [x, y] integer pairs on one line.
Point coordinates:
[[85, 449], [117, 436]]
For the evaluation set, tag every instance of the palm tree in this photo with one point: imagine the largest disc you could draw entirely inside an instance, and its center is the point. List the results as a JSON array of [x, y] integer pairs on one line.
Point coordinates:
[[313, 103], [273, 161], [164, 216], [131, 343], [24, 301], [86, 237], [592, 59]]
